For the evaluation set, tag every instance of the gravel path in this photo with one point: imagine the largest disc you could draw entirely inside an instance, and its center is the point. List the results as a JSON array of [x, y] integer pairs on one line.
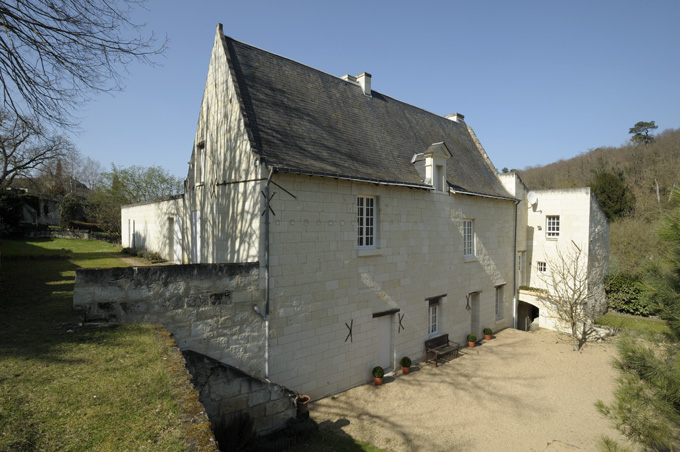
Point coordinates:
[[518, 392]]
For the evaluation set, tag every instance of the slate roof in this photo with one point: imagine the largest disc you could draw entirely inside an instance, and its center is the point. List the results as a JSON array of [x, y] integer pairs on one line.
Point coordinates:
[[302, 120]]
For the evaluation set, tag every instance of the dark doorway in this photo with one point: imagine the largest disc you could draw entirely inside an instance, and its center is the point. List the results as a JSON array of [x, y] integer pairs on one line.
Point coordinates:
[[527, 316]]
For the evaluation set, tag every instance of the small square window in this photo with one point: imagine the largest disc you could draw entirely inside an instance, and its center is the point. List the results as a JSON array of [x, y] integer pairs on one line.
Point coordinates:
[[541, 267], [552, 229]]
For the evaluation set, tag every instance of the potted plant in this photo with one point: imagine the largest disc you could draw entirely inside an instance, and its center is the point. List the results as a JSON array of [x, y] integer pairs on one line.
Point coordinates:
[[378, 374], [405, 363], [487, 334], [471, 340], [302, 404]]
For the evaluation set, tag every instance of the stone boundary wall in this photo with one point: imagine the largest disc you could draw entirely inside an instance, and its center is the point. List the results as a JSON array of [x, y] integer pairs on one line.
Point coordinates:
[[207, 307], [226, 392], [61, 233]]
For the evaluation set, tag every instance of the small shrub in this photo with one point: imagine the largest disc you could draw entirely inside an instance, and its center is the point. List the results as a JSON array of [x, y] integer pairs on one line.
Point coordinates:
[[378, 372], [624, 293], [472, 338], [488, 331], [405, 361]]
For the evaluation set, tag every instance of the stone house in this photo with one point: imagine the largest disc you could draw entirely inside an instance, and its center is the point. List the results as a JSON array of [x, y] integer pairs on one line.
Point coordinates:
[[375, 224], [553, 225]]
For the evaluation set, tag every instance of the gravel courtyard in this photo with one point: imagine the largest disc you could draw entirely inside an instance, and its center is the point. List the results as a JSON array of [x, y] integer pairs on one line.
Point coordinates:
[[517, 392]]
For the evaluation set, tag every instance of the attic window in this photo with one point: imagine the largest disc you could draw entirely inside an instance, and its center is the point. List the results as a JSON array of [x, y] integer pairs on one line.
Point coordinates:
[[436, 157], [439, 179]]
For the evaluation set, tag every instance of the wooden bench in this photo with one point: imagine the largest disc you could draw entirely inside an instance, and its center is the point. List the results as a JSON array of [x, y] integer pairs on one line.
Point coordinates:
[[440, 346]]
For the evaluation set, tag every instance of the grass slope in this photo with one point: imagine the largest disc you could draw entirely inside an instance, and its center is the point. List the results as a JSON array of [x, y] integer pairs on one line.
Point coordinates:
[[66, 387]]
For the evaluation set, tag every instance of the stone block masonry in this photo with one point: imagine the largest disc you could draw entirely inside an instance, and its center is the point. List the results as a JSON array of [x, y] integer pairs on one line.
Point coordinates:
[[227, 392], [208, 308]]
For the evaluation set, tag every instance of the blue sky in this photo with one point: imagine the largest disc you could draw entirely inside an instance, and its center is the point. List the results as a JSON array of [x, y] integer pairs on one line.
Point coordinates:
[[538, 81]]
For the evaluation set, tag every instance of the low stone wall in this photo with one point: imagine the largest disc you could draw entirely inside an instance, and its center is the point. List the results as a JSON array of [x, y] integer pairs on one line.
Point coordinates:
[[227, 392], [207, 307], [61, 233]]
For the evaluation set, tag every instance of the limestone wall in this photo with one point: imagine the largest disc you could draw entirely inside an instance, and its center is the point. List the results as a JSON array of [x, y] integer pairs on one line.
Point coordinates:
[[322, 285], [207, 307], [574, 208], [155, 226], [226, 392], [222, 193]]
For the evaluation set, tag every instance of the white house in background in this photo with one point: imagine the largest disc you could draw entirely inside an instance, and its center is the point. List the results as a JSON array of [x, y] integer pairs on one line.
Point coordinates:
[[551, 222], [376, 224]]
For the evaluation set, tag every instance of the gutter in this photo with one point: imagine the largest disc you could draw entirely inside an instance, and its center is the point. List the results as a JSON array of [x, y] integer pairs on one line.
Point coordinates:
[[514, 269], [385, 182]]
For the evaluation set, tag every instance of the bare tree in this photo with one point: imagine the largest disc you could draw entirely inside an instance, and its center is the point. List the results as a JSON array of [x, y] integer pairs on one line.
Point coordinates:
[[55, 54], [24, 146], [573, 290]]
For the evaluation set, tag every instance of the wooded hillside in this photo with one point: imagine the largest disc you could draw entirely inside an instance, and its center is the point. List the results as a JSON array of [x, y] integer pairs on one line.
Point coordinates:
[[638, 182]]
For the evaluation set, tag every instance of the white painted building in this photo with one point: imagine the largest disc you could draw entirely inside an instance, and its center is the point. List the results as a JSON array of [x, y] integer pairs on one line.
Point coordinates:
[[376, 224], [554, 223]]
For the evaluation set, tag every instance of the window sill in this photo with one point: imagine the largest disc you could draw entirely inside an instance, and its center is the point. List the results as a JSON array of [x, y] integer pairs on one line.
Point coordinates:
[[469, 259], [363, 252]]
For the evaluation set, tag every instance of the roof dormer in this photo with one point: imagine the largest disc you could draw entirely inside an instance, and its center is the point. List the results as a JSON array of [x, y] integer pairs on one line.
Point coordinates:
[[435, 158]]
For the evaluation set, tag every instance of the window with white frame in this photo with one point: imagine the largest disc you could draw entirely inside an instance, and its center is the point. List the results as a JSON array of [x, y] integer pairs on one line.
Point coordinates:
[[541, 267], [366, 221], [468, 238], [433, 317], [552, 226], [499, 302]]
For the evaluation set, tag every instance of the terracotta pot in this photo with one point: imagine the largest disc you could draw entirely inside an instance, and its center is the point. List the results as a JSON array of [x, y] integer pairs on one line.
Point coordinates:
[[302, 403], [487, 337], [471, 344], [377, 381], [405, 370]]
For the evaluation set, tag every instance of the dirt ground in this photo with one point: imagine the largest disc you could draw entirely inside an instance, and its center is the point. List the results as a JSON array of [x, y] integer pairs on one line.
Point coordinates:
[[518, 392]]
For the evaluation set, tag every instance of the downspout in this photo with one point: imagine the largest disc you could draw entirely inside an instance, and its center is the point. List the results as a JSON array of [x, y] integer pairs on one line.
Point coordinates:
[[514, 270], [266, 274]]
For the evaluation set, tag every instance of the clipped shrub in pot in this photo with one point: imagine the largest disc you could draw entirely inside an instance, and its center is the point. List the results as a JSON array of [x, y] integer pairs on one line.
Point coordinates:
[[378, 374], [405, 363]]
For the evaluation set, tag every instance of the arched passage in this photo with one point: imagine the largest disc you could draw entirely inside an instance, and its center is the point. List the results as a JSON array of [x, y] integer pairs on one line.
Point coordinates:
[[527, 316]]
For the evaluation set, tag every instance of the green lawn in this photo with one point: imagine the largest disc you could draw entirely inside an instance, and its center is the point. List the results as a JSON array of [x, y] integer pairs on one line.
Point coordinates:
[[638, 324], [68, 387], [72, 388]]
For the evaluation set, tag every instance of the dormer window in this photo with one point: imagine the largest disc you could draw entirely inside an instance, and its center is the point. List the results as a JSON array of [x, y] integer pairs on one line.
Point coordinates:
[[436, 157]]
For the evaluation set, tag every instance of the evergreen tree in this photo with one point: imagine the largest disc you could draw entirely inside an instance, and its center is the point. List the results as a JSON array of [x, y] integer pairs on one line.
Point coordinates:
[[611, 192], [646, 406], [641, 131]]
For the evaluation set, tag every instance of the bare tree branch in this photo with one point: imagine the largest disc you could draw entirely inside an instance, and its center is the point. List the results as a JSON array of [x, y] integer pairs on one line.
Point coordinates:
[[55, 53], [573, 286], [24, 146]]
